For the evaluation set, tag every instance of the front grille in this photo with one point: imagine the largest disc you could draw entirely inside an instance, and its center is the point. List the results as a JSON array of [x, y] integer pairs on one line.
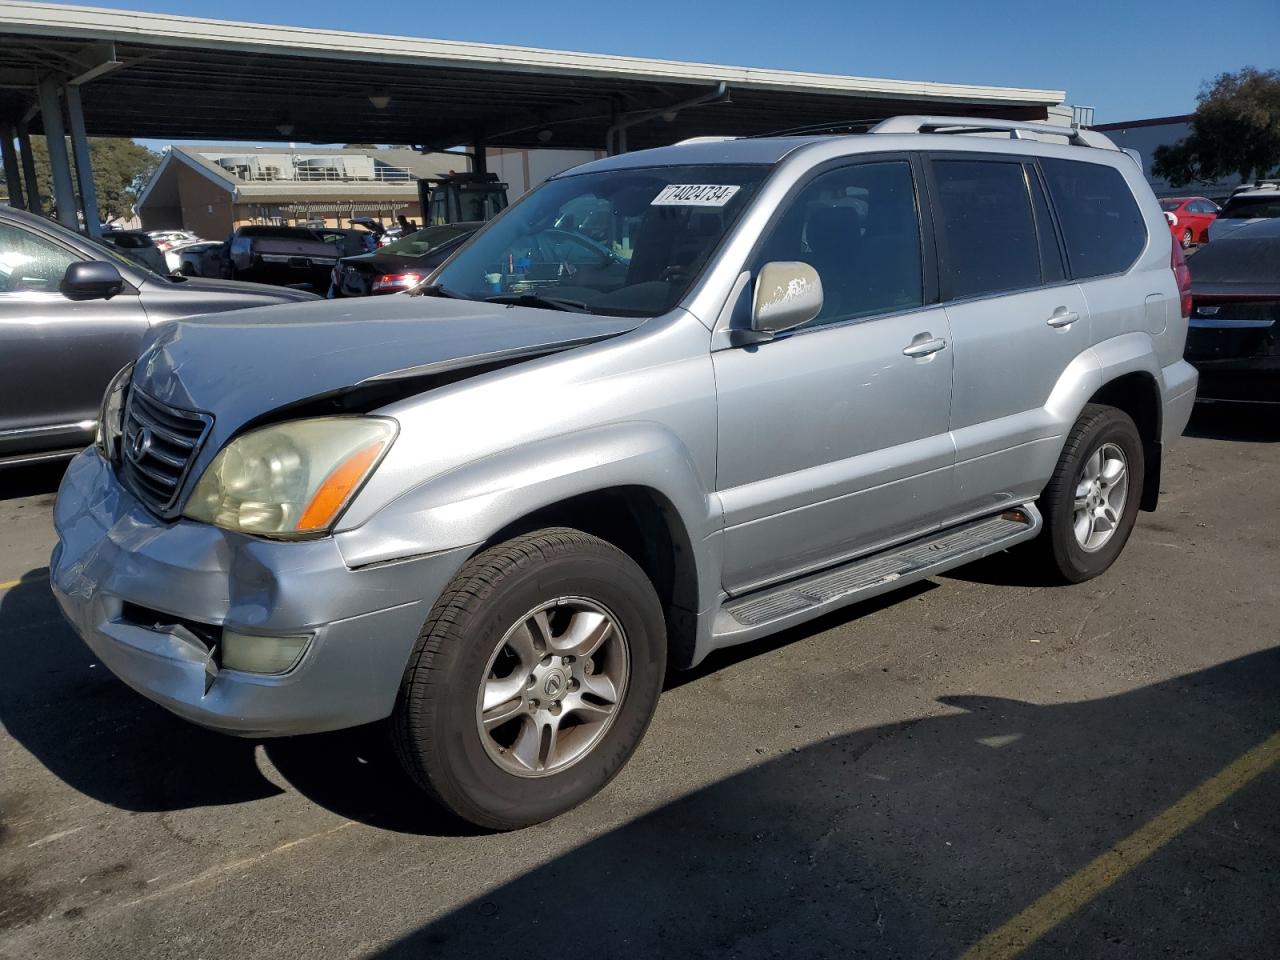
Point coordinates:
[[157, 449]]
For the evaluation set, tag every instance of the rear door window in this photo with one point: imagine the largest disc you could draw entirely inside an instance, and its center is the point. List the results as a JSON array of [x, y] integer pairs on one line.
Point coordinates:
[[1101, 222], [1051, 265], [987, 227]]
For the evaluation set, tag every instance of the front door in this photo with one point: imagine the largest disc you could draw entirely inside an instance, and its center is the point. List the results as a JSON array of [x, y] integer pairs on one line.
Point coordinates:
[[56, 355], [833, 437]]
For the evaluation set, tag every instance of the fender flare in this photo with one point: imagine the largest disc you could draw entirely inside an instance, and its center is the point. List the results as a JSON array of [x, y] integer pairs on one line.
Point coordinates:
[[468, 505], [1104, 363]]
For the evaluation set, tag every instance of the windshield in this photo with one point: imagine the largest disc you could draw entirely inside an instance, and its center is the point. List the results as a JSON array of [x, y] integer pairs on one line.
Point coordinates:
[[618, 242], [422, 242], [1245, 208]]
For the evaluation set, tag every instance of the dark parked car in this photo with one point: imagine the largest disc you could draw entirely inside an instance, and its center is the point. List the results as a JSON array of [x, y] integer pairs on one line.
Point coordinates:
[[138, 246], [1234, 335], [400, 264], [72, 312]]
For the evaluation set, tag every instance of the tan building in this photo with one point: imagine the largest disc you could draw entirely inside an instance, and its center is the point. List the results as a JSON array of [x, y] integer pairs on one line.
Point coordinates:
[[212, 190]]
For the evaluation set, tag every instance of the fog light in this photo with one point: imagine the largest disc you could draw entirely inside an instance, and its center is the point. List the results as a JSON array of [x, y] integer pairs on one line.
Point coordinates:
[[258, 654]]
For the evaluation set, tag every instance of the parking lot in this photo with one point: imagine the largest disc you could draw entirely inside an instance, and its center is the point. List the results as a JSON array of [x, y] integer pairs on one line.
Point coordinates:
[[936, 771]]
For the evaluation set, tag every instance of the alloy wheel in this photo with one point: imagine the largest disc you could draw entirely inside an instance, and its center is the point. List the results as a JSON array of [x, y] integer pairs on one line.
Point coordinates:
[[552, 687], [1101, 491]]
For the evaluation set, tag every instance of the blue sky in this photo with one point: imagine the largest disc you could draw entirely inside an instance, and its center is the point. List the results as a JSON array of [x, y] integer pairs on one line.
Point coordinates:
[[1128, 58]]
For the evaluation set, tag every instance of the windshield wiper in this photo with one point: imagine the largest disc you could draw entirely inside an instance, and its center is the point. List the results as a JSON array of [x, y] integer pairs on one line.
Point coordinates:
[[436, 290], [530, 299]]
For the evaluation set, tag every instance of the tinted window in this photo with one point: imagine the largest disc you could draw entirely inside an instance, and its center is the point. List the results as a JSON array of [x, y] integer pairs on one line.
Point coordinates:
[[990, 236], [1100, 220], [1169, 206], [1051, 266], [29, 262], [857, 227], [1245, 208]]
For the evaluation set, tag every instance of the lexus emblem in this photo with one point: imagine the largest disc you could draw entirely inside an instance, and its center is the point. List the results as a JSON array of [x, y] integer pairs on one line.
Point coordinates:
[[140, 444], [553, 684]]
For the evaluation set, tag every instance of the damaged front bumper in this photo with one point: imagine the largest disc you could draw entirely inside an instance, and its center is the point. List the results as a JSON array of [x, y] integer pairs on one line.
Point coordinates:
[[151, 599]]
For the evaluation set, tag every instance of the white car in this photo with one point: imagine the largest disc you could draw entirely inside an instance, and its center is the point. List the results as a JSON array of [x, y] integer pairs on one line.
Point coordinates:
[[1254, 201], [174, 255]]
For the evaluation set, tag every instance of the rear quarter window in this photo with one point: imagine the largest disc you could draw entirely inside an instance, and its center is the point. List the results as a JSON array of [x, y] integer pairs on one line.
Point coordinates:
[[1101, 222]]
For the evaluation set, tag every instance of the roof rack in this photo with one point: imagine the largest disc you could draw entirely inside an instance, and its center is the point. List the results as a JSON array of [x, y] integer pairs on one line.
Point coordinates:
[[834, 126], [1017, 129], [1262, 184]]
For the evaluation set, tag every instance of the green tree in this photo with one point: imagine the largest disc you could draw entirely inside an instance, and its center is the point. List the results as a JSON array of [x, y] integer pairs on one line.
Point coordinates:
[[1236, 129], [120, 168]]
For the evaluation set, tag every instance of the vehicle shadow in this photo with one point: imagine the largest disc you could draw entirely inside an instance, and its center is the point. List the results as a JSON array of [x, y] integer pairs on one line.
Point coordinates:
[[111, 744], [114, 745], [1241, 423], [32, 481], [918, 838]]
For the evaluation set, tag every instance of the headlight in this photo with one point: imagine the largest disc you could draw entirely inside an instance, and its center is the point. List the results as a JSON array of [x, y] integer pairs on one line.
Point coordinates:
[[111, 415], [290, 479]]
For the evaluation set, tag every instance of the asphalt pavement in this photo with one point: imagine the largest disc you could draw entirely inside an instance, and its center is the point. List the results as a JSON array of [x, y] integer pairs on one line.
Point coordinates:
[[978, 763]]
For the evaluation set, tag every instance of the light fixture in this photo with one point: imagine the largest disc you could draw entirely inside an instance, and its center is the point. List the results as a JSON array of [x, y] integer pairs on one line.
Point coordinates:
[[285, 128], [380, 100], [544, 136]]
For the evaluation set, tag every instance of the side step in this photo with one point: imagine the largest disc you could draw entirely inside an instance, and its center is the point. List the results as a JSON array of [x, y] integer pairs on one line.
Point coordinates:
[[770, 609]]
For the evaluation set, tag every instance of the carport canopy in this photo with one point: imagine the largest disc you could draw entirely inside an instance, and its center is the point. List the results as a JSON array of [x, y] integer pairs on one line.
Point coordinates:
[[132, 74], [162, 76]]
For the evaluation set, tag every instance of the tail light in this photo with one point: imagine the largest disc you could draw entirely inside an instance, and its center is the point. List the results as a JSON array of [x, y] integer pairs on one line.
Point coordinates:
[[393, 282], [1182, 274]]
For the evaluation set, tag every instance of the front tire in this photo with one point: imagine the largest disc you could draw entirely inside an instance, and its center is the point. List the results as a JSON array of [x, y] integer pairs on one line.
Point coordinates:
[[1187, 240], [533, 680], [1091, 502]]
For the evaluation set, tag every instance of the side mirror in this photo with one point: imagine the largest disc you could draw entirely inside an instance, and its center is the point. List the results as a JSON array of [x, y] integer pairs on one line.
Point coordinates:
[[91, 280], [787, 294]]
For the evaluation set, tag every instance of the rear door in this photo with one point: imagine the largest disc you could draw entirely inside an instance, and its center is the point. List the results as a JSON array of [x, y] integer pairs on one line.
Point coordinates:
[[56, 355], [1016, 319]]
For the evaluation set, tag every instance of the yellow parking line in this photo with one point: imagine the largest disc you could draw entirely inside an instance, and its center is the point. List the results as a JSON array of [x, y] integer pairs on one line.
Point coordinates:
[[7, 584], [1066, 898]]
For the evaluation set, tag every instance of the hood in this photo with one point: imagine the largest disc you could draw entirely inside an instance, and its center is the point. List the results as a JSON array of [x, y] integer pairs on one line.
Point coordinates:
[[170, 300], [242, 365]]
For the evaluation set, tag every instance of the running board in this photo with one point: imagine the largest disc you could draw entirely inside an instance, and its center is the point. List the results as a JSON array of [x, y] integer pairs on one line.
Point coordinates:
[[773, 608]]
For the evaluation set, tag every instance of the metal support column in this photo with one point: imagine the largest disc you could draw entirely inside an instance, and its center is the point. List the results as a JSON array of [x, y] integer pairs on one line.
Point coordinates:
[[34, 203], [11, 175], [84, 167], [55, 135], [479, 160]]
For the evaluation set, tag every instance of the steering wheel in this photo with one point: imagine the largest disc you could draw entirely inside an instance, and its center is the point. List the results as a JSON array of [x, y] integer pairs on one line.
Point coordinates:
[[607, 256]]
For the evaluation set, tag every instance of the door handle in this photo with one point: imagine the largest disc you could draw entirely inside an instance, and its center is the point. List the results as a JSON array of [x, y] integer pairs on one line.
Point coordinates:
[[1062, 317], [923, 348]]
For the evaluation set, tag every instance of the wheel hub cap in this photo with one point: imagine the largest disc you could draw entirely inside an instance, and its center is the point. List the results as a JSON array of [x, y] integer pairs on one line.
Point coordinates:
[[1101, 492], [553, 687]]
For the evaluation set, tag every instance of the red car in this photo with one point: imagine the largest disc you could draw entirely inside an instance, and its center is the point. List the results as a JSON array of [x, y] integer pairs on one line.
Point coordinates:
[[1189, 218]]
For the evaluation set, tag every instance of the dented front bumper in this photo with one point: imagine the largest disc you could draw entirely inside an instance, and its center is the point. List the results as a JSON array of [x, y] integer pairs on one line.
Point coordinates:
[[151, 598]]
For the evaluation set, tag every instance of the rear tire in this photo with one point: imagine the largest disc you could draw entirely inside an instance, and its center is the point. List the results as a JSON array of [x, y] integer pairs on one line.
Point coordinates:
[[508, 715], [1188, 241], [1091, 502]]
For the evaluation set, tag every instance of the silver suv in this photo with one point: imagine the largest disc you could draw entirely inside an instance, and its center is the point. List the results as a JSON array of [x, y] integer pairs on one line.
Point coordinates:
[[670, 401]]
